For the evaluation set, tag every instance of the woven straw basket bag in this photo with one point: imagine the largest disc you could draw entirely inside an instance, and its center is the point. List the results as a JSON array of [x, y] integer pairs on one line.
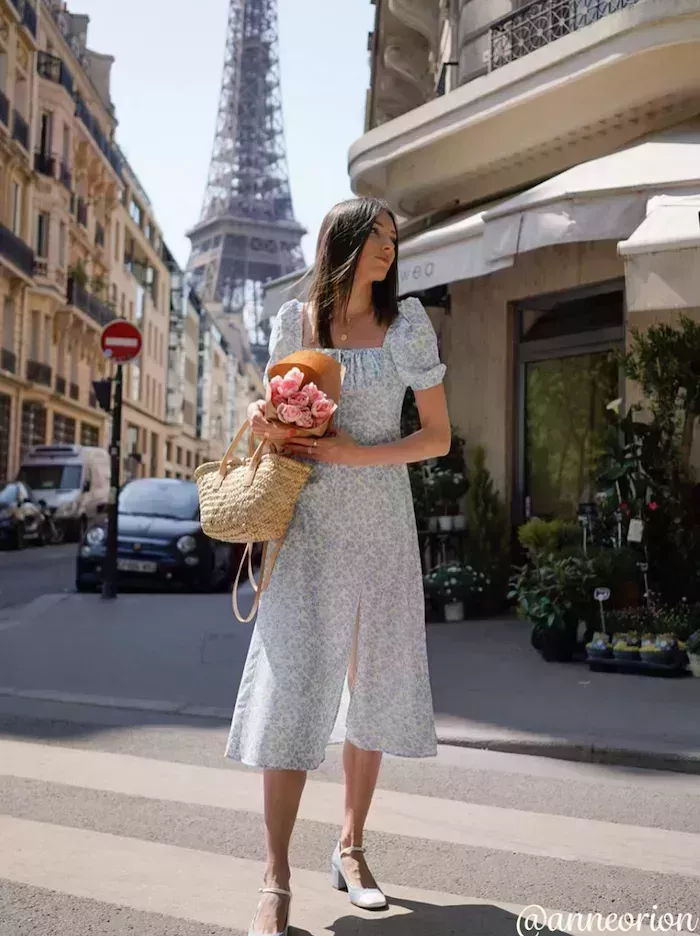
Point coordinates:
[[250, 500]]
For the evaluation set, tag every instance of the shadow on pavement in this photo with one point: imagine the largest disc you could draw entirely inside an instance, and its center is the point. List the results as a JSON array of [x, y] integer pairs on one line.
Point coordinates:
[[428, 920]]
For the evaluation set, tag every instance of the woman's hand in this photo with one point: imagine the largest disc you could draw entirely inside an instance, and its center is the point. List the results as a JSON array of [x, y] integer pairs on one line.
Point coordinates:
[[337, 447], [263, 428]]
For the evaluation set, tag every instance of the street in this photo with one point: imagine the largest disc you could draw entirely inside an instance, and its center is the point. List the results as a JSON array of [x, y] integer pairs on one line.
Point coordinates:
[[35, 571], [120, 815]]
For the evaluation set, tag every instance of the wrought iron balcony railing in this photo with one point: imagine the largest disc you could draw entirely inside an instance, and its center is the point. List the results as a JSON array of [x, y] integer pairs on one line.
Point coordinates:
[[79, 297], [542, 22], [4, 109], [8, 360], [39, 373], [20, 130], [53, 69], [16, 251], [45, 164], [83, 112]]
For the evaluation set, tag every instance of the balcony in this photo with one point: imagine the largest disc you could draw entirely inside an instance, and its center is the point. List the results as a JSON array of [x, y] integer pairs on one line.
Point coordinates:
[[545, 21], [4, 109], [45, 164], [39, 373], [81, 212], [53, 69], [66, 176], [563, 87], [20, 130], [16, 251], [110, 153], [41, 267], [8, 361], [61, 385], [97, 310]]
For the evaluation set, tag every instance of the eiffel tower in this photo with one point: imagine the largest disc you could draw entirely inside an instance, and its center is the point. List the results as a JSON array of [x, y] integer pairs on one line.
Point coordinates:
[[247, 233]]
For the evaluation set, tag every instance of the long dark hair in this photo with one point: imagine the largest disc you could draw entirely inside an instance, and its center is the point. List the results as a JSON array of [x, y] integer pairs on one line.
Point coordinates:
[[343, 235]]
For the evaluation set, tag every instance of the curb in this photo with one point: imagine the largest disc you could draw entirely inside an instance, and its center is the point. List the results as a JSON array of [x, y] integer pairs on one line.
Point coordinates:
[[588, 752], [580, 751]]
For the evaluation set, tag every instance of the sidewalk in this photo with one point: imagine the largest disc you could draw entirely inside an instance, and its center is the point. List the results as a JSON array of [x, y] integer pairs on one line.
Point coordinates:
[[492, 690], [183, 655]]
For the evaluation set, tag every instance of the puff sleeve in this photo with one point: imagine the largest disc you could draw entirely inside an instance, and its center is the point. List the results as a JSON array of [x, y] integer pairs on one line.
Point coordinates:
[[283, 336], [414, 347]]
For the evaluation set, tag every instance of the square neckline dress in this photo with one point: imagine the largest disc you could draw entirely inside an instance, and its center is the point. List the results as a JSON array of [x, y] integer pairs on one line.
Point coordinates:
[[352, 543]]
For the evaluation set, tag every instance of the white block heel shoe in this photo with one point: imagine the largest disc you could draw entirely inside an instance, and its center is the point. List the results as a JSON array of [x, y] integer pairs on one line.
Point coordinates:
[[367, 898], [282, 893]]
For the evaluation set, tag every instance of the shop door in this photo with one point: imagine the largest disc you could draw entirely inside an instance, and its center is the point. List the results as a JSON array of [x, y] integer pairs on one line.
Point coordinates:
[[569, 374], [5, 411]]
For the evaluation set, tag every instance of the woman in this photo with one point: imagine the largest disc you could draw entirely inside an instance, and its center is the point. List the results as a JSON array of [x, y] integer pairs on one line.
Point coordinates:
[[346, 596]]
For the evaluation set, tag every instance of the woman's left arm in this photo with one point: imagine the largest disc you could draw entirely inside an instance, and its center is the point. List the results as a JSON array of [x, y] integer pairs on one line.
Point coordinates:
[[432, 439]]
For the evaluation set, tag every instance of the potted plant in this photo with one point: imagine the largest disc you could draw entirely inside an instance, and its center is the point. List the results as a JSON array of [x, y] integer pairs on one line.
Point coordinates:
[[692, 648], [554, 593], [599, 646], [460, 588]]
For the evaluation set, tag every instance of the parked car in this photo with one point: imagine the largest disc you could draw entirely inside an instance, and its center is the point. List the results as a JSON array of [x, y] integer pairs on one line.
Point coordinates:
[[160, 541], [21, 516], [73, 480]]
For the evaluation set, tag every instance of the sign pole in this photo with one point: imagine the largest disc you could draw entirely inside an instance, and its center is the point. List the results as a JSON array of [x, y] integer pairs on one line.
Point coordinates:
[[109, 580]]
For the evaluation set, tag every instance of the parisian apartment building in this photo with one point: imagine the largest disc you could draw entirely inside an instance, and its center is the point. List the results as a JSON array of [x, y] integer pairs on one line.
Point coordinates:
[[543, 159], [79, 246]]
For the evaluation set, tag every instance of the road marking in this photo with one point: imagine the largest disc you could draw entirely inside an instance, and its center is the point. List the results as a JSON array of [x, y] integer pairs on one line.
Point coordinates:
[[495, 828], [214, 890]]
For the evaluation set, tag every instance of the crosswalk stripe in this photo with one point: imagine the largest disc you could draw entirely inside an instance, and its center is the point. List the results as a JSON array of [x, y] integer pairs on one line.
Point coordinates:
[[199, 886], [410, 815]]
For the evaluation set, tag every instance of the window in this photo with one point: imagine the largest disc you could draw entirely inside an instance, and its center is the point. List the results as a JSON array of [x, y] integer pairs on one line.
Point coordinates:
[[62, 245], [47, 340], [123, 305], [568, 375], [8, 325], [34, 337], [117, 241], [136, 212], [46, 133], [189, 459], [148, 390], [178, 455], [16, 209], [168, 451], [42, 234]]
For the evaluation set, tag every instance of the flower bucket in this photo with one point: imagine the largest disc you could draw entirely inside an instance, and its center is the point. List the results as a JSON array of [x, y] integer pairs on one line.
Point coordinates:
[[694, 663], [445, 524], [459, 522], [454, 611]]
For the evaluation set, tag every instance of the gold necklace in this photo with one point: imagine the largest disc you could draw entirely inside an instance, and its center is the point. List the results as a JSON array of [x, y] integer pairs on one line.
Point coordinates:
[[344, 336]]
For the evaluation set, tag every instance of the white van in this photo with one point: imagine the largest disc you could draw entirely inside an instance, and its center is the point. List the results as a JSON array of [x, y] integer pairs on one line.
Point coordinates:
[[73, 481]]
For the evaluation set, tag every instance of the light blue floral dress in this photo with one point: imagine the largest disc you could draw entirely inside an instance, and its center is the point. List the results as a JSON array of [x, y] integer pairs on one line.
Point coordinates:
[[352, 543]]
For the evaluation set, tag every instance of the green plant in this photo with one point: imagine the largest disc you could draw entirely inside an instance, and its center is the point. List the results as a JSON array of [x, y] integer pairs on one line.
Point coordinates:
[[456, 582], [488, 532], [692, 644], [445, 488], [554, 591], [544, 537], [78, 274]]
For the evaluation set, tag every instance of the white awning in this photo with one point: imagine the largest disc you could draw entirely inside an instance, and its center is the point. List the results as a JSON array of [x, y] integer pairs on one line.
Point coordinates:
[[445, 254], [662, 257], [604, 199]]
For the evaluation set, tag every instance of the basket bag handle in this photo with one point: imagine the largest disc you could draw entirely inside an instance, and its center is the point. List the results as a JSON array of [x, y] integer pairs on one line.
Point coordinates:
[[255, 454]]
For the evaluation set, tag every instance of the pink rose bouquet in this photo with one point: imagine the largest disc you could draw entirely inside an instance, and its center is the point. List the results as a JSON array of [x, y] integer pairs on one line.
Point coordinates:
[[295, 403]]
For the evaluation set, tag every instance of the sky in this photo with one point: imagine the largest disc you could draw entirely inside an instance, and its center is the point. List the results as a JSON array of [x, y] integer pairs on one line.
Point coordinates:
[[165, 86]]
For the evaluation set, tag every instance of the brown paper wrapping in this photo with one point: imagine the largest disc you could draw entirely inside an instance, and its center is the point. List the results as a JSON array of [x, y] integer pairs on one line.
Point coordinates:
[[318, 368]]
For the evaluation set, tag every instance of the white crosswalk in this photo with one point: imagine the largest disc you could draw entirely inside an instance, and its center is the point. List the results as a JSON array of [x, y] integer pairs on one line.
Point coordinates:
[[205, 887]]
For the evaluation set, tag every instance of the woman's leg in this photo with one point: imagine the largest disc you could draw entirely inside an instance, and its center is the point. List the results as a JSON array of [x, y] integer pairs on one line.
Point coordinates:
[[361, 773], [283, 789]]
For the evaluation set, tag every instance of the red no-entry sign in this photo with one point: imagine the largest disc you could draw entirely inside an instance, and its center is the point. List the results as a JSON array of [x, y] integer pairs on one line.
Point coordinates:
[[121, 341]]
